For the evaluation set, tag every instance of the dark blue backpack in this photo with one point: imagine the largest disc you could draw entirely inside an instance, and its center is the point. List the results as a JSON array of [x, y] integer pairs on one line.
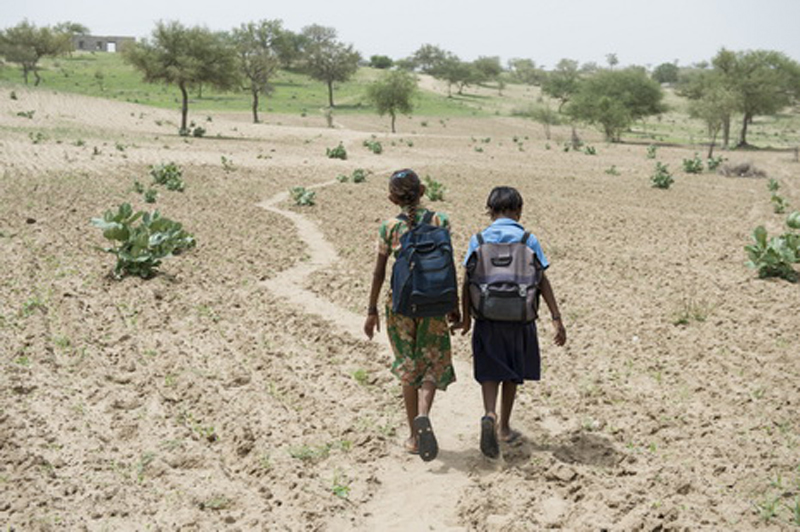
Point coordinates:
[[424, 275]]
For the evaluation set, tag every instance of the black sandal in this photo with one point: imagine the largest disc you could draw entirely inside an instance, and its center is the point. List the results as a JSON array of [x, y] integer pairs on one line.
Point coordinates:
[[426, 440], [489, 445]]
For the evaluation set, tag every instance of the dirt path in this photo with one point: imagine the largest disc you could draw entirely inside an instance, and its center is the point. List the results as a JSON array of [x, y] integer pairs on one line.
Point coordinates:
[[411, 494]]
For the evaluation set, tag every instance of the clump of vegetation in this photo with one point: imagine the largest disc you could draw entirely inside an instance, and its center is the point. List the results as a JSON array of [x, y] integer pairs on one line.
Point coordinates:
[[712, 163], [589, 150], [374, 146], [38, 137], [138, 187], [227, 164], [342, 178], [612, 170], [773, 257], [337, 153], [139, 249], [651, 151], [26, 114], [359, 175], [170, 175], [693, 165], [662, 178], [198, 132], [13, 95], [302, 196], [434, 190], [150, 195]]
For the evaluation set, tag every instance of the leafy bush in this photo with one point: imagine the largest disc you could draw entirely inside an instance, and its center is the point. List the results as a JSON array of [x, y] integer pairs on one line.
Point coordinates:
[[613, 170], [141, 248], [374, 146], [138, 187], [150, 195], [337, 153], [773, 185], [342, 178], [590, 150], [434, 190], [302, 197], [651, 151], [713, 162], [169, 175], [778, 204], [693, 165], [661, 178], [199, 132], [773, 257], [227, 164], [26, 114], [13, 95], [359, 175]]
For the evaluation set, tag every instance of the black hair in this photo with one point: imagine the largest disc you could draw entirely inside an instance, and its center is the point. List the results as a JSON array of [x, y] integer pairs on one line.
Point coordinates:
[[503, 200], [406, 187]]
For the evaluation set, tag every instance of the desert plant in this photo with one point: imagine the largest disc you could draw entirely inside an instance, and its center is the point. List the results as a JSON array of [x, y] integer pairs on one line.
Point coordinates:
[[169, 175], [651, 151], [359, 175], [26, 114], [773, 257], [227, 164], [434, 190], [336, 153], [374, 146], [139, 249], [198, 132], [13, 95], [773, 185], [342, 178], [590, 150], [138, 187], [712, 163], [612, 170], [302, 197], [661, 178], [778, 204], [150, 195], [693, 165]]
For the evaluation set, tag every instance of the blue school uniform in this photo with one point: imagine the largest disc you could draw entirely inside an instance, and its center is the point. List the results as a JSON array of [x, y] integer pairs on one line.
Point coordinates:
[[505, 351]]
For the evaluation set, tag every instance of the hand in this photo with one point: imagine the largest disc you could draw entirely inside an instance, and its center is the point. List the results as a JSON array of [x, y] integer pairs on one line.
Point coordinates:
[[560, 336], [372, 322], [465, 325], [454, 316]]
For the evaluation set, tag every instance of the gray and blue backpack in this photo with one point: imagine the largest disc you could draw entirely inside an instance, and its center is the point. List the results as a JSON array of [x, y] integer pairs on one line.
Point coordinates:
[[424, 275]]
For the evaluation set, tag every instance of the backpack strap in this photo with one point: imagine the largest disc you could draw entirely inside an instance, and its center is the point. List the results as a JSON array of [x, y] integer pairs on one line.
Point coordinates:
[[479, 236], [525, 237], [428, 218], [402, 217]]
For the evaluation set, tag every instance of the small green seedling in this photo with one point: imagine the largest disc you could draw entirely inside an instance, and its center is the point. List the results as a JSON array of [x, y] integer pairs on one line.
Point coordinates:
[[339, 152], [661, 178], [302, 197]]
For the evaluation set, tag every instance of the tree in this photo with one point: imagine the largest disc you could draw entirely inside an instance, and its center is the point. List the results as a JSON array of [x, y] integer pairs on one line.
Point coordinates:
[[612, 60], [381, 62], [429, 58], [456, 72], [327, 59], [487, 68], [666, 73], [765, 82], [289, 47], [185, 57], [393, 94], [562, 82], [26, 44], [525, 71], [714, 108], [614, 99], [257, 56], [546, 116]]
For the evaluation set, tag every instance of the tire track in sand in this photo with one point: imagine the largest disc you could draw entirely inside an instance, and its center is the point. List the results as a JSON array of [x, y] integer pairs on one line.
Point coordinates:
[[411, 494]]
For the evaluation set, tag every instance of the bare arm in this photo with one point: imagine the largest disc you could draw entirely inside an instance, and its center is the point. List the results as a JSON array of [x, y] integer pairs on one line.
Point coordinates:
[[560, 337], [378, 276]]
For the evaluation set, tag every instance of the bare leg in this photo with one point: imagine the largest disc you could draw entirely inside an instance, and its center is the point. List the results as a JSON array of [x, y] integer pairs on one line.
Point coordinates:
[[426, 394], [509, 394], [489, 390], [410, 395]]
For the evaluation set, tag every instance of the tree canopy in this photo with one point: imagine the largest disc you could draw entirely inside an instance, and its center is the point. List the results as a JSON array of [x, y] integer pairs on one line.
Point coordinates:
[[185, 57], [614, 99], [25, 44], [327, 59], [562, 82], [393, 94]]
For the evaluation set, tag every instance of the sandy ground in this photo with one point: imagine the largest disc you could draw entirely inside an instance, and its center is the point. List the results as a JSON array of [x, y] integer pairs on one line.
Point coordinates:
[[234, 390]]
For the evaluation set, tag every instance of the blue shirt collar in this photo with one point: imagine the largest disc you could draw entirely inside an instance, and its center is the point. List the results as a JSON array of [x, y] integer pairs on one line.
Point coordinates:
[[506, 221]]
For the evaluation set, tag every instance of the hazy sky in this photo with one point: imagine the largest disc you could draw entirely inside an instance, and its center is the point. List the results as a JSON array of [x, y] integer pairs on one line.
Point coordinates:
[[638, 31]]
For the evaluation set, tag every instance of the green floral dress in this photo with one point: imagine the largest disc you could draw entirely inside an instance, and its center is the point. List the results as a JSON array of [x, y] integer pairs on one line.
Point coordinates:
[[421, 345]]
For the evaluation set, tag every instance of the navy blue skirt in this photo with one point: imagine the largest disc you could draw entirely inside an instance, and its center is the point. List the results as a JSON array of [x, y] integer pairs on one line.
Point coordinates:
[[504, 351]]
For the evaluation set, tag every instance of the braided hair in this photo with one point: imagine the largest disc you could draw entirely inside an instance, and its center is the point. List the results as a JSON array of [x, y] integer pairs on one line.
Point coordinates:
[[406, 187]]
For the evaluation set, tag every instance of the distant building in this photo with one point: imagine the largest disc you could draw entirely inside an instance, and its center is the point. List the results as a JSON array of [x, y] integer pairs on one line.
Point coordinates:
[[95, 43]]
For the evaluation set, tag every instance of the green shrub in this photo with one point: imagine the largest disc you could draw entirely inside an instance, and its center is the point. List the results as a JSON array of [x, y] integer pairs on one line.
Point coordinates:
[[170, 175], [590, 150], [434, 190], [337, 153], [651, 151], [661, 178], [302, 197], [342, 178], [199, 132], [693, 165], [139, 249], [778, 204], [150, 195], [227, 164], [359, 175], [374, 146], [773, 257], [613, 170], [138, 187], [712, 163], [26, 114], [773, 185]]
